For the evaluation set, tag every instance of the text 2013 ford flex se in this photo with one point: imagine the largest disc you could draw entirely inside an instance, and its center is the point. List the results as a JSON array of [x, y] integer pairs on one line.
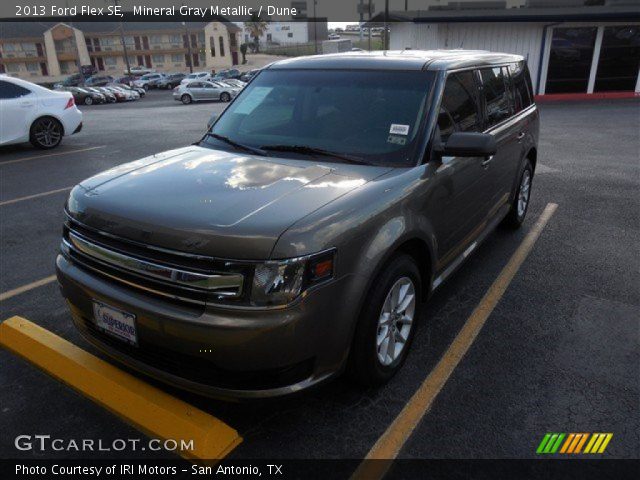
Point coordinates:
[[299, 238]]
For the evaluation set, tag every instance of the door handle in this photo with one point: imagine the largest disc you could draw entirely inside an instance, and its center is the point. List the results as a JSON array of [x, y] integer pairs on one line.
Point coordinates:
[[26, 104], [521, 135], [487, 161]]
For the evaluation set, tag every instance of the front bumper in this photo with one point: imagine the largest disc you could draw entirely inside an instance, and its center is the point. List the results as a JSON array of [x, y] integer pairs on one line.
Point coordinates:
[[217, 351]]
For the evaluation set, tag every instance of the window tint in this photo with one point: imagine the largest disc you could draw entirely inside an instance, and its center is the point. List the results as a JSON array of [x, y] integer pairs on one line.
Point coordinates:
[[459, 108], [195, 85], [9, 90], [495, 95], [521, 94]]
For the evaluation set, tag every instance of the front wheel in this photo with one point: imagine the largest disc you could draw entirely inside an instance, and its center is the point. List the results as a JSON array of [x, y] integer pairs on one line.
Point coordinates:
[[186, 99], [520, 204], [45, 133], [88, 101], [387, 323], [225, 97]]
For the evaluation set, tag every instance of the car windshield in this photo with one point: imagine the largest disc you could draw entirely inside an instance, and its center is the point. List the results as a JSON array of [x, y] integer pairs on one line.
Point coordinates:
[[371, 116]]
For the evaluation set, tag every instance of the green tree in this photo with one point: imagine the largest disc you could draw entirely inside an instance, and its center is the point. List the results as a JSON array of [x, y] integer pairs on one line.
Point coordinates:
[[256, 27]]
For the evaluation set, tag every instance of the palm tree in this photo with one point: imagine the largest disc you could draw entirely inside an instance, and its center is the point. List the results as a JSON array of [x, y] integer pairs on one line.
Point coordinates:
[[256, 27]]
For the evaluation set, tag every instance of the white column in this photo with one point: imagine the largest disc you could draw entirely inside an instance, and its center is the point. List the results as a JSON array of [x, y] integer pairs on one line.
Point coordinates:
[[545, 61], [595, 59]]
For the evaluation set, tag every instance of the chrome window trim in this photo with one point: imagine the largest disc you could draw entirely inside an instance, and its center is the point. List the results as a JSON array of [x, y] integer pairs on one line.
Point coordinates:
[[228, 285]]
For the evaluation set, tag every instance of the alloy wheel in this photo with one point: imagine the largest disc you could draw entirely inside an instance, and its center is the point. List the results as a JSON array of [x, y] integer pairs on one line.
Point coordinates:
[[523, 193], [47, 132], [395, 321]]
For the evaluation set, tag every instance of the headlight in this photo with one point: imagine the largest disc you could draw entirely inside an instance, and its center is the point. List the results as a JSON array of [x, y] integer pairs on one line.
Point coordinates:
[[280, 282]]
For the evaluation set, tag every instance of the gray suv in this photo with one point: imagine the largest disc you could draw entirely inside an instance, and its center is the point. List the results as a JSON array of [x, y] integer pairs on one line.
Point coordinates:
[[301, 236]]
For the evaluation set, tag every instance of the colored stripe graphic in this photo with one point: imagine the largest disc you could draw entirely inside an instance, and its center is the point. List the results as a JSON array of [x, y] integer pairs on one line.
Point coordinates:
[[573, 443]]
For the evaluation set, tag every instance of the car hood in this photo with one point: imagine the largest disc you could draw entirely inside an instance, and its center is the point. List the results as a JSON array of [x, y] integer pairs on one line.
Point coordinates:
[[211, 202]]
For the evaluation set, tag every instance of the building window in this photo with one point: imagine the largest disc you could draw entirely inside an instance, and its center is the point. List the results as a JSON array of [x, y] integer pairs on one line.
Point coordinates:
[[155, 39], [570, 60], [269, 37], [290, 35], [459, 108], [111, 61], [246, 38], [129, 41], [221, 47], [201, 38], [8, 47], [13, 67], [202, 58], [213, 46], [106, 41], [619, 59], [175, 39], [158, 58], [32, 67], [177, 58]]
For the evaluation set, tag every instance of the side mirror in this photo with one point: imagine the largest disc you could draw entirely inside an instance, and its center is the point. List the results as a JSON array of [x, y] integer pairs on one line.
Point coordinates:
[[212, 120], [470, 144]]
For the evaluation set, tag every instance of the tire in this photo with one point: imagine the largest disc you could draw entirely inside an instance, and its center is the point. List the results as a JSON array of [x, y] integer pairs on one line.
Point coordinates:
[[520, 205], [369, 362], [46, 133], [186, 99], [225, 97], [146, 86], [88, 101]]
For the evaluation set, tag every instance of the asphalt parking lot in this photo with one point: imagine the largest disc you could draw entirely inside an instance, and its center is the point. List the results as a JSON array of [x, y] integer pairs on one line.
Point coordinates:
[[560, 352]]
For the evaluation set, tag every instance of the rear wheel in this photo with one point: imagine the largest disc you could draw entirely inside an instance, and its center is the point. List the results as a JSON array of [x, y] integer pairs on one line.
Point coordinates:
[[88, 100], [46, 132], [515, 217], [225, 97], [387, 323], [186, 99]]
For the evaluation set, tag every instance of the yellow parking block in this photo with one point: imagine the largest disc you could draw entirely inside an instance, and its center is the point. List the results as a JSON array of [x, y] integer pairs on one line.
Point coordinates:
[[151, 410]]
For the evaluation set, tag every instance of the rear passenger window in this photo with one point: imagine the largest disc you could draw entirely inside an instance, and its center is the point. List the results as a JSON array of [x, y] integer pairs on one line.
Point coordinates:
[[495, 94], [10, 90], [459, 107], [519, 79]]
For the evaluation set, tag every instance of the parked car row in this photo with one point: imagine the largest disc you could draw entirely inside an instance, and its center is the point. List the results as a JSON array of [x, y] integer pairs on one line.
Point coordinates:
[[110, 93]]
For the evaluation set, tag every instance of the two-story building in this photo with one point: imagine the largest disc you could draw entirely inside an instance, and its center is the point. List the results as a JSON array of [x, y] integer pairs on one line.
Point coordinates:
[[33, 50]]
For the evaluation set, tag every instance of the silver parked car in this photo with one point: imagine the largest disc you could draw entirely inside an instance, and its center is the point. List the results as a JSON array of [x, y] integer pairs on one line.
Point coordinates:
[[197, 91]]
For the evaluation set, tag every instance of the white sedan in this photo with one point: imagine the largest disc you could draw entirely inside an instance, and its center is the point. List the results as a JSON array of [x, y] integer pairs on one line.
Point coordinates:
[[31, 113]]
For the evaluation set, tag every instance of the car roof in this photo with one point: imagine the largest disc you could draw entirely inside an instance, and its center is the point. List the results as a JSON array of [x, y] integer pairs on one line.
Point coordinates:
[[399, 60], [28, 85]]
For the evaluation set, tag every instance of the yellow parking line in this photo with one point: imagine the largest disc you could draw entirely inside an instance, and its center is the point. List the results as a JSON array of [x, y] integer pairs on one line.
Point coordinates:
[[36, 195], [36, 157], [25, 288], [151, 410], [392, 440]]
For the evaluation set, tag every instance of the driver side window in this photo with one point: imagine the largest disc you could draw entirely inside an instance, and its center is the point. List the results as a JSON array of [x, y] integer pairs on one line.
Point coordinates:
[[459, 108]]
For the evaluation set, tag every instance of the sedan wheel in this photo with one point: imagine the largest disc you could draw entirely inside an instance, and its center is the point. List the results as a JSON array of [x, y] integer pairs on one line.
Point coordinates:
[[46, 133], [88, 100], [225, 97], [186, 99]]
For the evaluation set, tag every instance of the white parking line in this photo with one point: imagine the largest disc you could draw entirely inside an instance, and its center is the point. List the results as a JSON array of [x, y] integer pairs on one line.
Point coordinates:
[[25, 288], [36, 157], [36, 195]]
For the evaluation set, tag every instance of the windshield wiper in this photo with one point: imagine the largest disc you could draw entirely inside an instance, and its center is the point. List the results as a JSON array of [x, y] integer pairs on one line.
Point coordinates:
[[237, 145], [305, 150]]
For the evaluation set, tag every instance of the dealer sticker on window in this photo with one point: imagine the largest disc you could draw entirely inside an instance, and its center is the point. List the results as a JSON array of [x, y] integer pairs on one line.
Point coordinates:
[[398, 129]]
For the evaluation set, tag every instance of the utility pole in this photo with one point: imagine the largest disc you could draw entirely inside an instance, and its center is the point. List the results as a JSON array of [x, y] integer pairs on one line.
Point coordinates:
[[361, 19], [385, 42], [124, 44], [189, 57], [315, 29], [370, 13]]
